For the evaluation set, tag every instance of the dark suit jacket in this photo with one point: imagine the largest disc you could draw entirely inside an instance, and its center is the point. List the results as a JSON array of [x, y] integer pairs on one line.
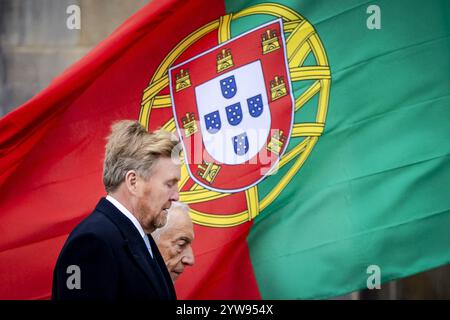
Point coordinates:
[[113, 260]]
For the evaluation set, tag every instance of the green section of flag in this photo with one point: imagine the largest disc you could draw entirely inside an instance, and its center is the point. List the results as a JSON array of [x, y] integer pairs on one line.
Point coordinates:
[[374, 190]]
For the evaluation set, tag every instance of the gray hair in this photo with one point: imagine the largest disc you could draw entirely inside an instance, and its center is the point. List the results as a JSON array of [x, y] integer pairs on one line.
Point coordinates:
[[175, 205], [131, 147]]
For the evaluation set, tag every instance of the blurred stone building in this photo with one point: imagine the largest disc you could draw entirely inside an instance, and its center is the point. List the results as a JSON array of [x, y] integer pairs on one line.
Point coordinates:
[[36, 46]]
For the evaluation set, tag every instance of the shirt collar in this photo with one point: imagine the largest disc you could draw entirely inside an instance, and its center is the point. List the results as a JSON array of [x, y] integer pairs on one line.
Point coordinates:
[[127, 213]]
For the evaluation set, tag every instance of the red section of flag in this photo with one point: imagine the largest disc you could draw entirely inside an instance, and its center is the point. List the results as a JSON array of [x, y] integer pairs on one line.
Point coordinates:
[[226, 272], [51, 152]]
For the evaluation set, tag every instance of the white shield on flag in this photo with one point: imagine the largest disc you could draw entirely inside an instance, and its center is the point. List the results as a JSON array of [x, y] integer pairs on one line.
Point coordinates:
[[234, 126]]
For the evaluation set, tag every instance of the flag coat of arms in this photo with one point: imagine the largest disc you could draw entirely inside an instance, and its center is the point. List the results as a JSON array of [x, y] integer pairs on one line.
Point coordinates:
[[314, 145], [231, 102]]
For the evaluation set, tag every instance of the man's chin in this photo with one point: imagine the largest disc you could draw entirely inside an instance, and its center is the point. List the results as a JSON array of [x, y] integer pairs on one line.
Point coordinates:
[[163, 217], [174, 275], [161, 221]]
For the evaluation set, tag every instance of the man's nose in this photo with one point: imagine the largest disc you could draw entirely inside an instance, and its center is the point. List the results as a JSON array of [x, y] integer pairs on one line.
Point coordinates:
[[188, 258], [175, 196]]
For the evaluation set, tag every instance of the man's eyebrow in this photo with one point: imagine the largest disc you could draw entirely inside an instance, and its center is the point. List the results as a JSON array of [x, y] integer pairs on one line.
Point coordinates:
[[187, 239]]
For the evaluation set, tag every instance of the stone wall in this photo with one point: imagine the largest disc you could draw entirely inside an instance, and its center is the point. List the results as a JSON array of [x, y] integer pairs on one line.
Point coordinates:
[[36, 45]]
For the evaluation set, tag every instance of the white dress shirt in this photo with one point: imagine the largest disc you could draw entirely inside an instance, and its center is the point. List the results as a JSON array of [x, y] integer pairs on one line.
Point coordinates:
[[133, 219]]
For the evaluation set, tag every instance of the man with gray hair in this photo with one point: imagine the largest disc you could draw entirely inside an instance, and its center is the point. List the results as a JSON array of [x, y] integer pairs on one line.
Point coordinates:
[[110, 254], [175, 238]]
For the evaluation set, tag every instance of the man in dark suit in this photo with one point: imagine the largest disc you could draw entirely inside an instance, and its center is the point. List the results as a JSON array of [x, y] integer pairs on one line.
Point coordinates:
[[111, 254]]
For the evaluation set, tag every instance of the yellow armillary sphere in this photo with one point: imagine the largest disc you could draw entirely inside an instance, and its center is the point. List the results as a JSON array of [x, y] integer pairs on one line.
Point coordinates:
[[301, 41]]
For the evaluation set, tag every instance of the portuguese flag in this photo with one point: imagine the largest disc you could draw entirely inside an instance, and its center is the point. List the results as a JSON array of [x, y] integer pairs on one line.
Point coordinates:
[[315, 138]]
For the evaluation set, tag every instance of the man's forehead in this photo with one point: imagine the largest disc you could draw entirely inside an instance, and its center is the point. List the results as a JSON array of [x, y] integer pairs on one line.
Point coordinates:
[[183, 233], [181, 224], [167, 168], [168, 162]]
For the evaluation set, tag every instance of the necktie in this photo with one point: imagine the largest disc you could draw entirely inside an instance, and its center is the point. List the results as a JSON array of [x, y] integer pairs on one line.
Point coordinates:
[[147, 244]]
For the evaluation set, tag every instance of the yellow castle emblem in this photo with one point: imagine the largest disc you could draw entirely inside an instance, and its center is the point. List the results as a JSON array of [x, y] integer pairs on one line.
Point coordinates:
[[189, 124], [208, 171], [224, 60], [276, 142], [269, 41], [183, 80], [277, 88]]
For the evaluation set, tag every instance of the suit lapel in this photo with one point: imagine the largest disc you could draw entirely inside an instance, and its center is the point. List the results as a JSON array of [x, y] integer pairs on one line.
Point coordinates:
[[159, 261], [136, 246], [143, 259]]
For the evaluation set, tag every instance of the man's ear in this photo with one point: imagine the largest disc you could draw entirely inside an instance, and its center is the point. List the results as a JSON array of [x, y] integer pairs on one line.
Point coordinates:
[[131, 181]]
